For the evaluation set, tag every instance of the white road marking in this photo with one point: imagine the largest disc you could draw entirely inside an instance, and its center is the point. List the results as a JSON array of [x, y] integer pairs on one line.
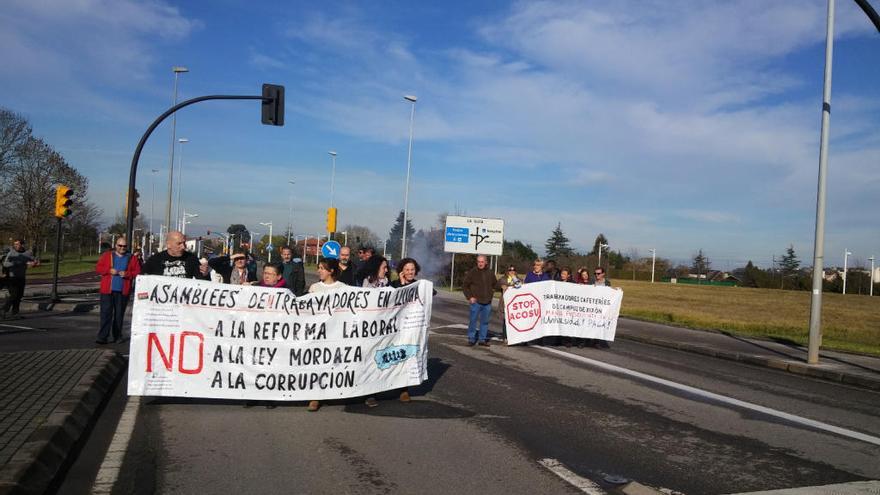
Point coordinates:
[[579, 482], [109, 471], [855, 488], [458, 326], [21, 327], [720, 398]]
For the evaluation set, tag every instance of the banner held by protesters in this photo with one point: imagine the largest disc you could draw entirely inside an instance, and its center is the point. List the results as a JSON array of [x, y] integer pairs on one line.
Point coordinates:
[[191, 338], [551, 308]]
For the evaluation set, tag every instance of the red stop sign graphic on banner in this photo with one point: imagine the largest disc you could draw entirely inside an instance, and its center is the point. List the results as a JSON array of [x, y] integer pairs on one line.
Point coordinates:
[[523, 312]]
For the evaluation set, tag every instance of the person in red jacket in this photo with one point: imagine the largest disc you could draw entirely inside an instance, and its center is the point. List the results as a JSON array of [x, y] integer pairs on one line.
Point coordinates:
[[117, 269]]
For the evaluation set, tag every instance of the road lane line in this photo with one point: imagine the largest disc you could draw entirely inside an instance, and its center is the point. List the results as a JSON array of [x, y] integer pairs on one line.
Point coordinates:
[[579, 482], [21, 327], [718, 397], [109, 471]]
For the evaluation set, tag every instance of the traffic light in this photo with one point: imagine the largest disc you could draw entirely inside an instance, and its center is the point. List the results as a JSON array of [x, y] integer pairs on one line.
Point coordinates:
[[331, 219], [137, 197], [63, 201], [273, 104]]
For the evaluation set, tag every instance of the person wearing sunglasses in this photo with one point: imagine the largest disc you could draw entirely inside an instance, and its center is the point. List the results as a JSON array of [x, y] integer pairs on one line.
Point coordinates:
[[599, 279], [117, 268]]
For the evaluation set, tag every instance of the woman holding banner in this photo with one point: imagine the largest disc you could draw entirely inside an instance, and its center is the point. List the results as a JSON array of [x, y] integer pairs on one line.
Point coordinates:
[[328, 279], [507, 280], [376, 269]]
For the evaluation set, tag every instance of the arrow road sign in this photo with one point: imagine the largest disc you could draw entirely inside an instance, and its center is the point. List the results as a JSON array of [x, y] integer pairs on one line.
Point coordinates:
[[330, 249]]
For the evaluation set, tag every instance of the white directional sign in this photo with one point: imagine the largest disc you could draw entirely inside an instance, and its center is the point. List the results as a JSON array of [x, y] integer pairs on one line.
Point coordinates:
[[474, 235]]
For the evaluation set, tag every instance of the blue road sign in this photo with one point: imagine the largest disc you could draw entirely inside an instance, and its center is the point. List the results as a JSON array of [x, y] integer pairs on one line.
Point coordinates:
[[269, 247], [457, 234], [330, 249]]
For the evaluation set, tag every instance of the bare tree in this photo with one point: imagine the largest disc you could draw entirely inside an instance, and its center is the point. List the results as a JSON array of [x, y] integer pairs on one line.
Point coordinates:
[[358, 235]]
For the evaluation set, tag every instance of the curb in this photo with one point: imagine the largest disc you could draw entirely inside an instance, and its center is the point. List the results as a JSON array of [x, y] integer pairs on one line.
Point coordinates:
[[791, 366], [34, 466]]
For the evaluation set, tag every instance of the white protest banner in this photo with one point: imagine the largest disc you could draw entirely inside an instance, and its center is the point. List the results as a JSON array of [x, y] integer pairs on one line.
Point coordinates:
[[548, 308], [192, 338]]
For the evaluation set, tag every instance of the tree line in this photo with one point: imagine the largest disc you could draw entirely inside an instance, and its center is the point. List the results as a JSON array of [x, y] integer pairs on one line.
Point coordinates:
[[30, 168]]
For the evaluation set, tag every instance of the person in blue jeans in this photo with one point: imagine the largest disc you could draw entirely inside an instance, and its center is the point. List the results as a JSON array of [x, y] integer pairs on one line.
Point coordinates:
[[479, 286]]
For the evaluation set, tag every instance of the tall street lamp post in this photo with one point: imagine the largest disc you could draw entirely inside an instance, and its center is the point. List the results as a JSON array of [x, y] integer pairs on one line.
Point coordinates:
[[152, 211], [871, 284], [332, 180], [600, 252], [180, 142], [269, 224], [177, 71], [412, 99], [290, 211], [184, 222], [846, 255], [653, 262]]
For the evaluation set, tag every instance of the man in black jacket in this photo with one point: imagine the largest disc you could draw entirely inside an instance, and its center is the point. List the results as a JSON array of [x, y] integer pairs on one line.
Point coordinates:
[[294, 273], [176, 261]]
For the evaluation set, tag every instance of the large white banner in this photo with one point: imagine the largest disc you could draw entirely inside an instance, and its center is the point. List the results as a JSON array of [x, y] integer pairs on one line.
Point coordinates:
[[561, 308], [474, 235], [191, 338]]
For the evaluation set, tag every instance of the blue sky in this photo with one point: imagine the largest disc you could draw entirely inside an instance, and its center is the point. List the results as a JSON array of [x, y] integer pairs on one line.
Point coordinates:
[[674, 125]]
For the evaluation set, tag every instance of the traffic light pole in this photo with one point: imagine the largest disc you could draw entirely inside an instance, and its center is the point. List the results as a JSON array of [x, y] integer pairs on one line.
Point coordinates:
[[54, 295], [132, 177]]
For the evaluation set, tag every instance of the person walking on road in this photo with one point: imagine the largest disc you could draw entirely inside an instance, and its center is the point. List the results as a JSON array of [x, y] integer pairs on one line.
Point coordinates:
[[506, 280], [375, 272], [328, 273], [15, 264], [537, 274], [272, 277], [293, 272], [599, 280], [176, 261], [347, 269], [479, 286], [117, 269]]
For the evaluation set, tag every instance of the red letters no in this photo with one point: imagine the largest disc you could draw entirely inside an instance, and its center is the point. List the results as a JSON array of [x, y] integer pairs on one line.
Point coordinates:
[[168, 359], [198, 369]]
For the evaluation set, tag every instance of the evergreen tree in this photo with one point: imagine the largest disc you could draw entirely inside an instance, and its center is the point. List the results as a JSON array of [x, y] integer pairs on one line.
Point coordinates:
[[520, 251], [600, 239], [789, 264], [557, 245], [396, 233]]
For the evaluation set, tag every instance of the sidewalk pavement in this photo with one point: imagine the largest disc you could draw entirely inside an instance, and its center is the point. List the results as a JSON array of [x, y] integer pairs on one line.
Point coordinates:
[[842, 367], [48, 399]]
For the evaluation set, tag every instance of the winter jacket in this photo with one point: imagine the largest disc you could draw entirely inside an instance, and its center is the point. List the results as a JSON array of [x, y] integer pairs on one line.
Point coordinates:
[[480, 284], [105, 263]]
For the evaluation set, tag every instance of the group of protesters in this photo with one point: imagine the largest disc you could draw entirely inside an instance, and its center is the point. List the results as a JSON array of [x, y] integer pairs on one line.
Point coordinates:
[[480, 285], [118, 270]]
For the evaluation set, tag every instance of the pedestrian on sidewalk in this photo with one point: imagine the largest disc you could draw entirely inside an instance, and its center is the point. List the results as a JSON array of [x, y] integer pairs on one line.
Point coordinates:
[[479, 286], [117, 269], [15, 264], [176, 261]]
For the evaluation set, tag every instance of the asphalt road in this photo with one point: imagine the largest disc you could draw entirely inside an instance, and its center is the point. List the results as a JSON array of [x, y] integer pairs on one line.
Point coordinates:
[[486, 419]]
